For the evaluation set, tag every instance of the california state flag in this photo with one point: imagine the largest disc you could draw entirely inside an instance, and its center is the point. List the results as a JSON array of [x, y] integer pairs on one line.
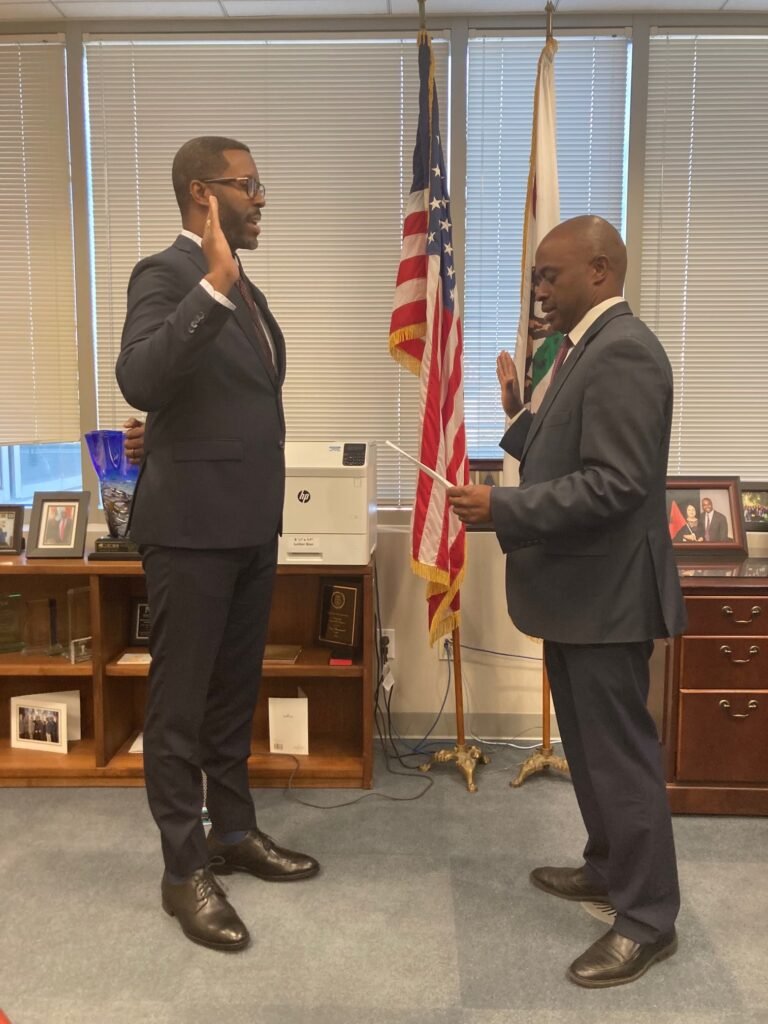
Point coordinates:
[[535, 350]]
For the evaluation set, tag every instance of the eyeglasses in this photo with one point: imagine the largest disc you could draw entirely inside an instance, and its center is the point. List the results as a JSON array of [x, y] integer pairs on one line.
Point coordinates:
[[250, 186]]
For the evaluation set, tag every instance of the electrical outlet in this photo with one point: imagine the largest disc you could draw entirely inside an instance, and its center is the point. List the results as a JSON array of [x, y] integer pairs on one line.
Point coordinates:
[[445, 649], [390, 635]]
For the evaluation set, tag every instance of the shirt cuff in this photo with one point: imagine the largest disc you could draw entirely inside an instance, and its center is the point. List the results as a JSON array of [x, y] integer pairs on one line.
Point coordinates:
[[516, 417], [222, 299]]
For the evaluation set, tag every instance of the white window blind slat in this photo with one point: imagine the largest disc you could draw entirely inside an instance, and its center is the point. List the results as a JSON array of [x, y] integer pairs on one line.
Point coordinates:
[[705, 235], [336, 184], [38, 344], [592, 81]]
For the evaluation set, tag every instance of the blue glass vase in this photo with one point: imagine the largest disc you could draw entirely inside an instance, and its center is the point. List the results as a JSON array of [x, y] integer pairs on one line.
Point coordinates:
[[117, 477]]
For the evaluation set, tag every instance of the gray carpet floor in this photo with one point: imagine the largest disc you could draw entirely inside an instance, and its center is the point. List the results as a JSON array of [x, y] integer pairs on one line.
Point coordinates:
[[423, 914]]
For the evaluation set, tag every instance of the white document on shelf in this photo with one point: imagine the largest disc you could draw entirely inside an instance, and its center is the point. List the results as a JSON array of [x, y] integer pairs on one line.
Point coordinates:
[[137, 747], [143, 658], [69, 697], [289, 724]]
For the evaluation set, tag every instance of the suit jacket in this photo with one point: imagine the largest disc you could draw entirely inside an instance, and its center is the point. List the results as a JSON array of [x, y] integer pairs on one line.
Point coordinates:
[[589, 556], [718, 528], [213, 474]]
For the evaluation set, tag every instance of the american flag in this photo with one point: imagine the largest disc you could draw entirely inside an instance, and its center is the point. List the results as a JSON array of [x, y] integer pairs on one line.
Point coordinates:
[[425, 336]]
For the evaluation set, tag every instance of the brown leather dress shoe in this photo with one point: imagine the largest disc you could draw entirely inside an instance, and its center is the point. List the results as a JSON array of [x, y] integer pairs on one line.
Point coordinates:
[[615, 960], [204, 912], [568, 884], [260, 856]]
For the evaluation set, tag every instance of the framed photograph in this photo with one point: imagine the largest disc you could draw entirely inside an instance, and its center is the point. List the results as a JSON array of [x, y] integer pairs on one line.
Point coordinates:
[[754, 501], [139, 636], [58, 524], [705, 514], [11, 528], [39, 725]]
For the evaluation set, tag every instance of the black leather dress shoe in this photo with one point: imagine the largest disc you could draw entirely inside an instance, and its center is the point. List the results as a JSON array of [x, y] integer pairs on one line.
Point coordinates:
[[615, 960], [568, 884], [204, 912], [260, 856]]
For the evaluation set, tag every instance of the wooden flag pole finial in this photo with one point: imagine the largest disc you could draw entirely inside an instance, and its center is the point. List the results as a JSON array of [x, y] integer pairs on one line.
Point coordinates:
[[549, 10]]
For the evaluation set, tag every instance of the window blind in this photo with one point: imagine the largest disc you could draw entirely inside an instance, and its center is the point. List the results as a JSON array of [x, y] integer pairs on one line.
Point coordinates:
[[705, 239], [591, 77], [38, 343], [331, 123]]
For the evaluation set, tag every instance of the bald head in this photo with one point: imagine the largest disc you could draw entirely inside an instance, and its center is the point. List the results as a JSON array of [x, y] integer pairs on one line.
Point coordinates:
[[579, 264]]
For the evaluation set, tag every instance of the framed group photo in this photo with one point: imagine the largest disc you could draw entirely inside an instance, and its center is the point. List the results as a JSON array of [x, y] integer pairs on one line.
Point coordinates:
[[11, 529], [705, 514], [58, 524], [39, 725], [754, 501]]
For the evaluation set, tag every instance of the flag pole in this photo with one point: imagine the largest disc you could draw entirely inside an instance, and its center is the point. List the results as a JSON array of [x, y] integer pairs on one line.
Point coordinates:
[[466, 757], [543, 757]]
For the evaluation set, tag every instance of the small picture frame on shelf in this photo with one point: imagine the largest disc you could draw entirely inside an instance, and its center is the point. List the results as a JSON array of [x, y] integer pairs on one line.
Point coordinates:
[[139, 631], [58, 524], [38, 724], [11, 529], [754, 501], [704, 514]]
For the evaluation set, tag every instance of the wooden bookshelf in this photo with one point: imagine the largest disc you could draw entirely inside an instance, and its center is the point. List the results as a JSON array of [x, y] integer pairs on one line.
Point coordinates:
[[113, 695]]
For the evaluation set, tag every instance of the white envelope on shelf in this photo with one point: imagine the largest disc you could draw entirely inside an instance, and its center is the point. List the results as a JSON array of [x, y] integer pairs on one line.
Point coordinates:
[[289, 724]]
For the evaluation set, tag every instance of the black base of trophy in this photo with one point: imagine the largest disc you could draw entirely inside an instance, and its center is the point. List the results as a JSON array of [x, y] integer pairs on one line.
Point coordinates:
[[114, 549]]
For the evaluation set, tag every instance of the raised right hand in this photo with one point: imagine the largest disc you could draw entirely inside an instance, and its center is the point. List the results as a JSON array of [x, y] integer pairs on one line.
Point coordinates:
[[223, 270], [510, 388]]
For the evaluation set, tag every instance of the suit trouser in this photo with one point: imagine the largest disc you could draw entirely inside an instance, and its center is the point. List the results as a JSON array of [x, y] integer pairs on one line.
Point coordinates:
[[209, 613], [610, 740]]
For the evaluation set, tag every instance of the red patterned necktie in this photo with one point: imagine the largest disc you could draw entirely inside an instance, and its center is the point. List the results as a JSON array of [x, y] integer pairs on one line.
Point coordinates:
[[258, 327], [565, 347]]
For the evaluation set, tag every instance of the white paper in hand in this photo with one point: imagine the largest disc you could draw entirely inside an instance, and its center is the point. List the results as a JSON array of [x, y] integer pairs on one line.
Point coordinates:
[[422, 467]]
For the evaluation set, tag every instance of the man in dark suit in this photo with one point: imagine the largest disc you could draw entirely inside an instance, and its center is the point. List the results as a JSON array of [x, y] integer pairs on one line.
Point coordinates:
[[590, 569], [714, 525], [202, 353]]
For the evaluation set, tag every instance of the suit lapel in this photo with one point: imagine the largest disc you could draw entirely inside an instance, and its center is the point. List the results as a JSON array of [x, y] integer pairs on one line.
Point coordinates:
[[241, 312], [620, 309]]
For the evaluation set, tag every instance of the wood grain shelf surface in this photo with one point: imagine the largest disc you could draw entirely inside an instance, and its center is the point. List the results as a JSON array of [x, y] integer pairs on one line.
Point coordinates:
[[21, 664]]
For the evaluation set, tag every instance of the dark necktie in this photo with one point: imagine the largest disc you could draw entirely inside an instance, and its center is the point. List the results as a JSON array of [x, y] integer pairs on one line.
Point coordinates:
[[707, 518], [244, 288], [565, 347]]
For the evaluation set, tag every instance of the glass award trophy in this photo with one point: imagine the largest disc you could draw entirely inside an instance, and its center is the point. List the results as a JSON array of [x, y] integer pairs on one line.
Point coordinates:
[[11, 623], [79, 624], [117, 480]]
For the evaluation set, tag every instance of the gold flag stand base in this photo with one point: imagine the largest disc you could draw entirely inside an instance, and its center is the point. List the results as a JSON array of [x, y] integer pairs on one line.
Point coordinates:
[[541, 759], [466, 757]]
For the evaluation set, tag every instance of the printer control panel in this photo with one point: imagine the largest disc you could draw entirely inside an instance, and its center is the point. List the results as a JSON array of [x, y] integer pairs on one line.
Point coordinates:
[[354, 454]]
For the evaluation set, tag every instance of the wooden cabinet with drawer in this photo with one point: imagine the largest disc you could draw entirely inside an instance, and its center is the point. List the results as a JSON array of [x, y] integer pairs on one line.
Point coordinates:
[[715, 727]]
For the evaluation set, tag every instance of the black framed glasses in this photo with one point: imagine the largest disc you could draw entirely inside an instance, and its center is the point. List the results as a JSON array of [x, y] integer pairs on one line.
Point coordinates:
[[251, 186]]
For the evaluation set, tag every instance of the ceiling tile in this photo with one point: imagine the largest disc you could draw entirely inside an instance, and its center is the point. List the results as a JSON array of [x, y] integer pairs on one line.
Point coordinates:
[[659, 6], [31, 10], [305, 8], [405, 7], [140, 8]]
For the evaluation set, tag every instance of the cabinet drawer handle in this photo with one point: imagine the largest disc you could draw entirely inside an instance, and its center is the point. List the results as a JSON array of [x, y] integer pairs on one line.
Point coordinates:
[[726, 706], [754, 612], [753, 651]]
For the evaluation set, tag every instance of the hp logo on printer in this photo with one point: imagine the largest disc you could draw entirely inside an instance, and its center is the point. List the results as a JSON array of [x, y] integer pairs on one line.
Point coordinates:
[[304, 497]]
